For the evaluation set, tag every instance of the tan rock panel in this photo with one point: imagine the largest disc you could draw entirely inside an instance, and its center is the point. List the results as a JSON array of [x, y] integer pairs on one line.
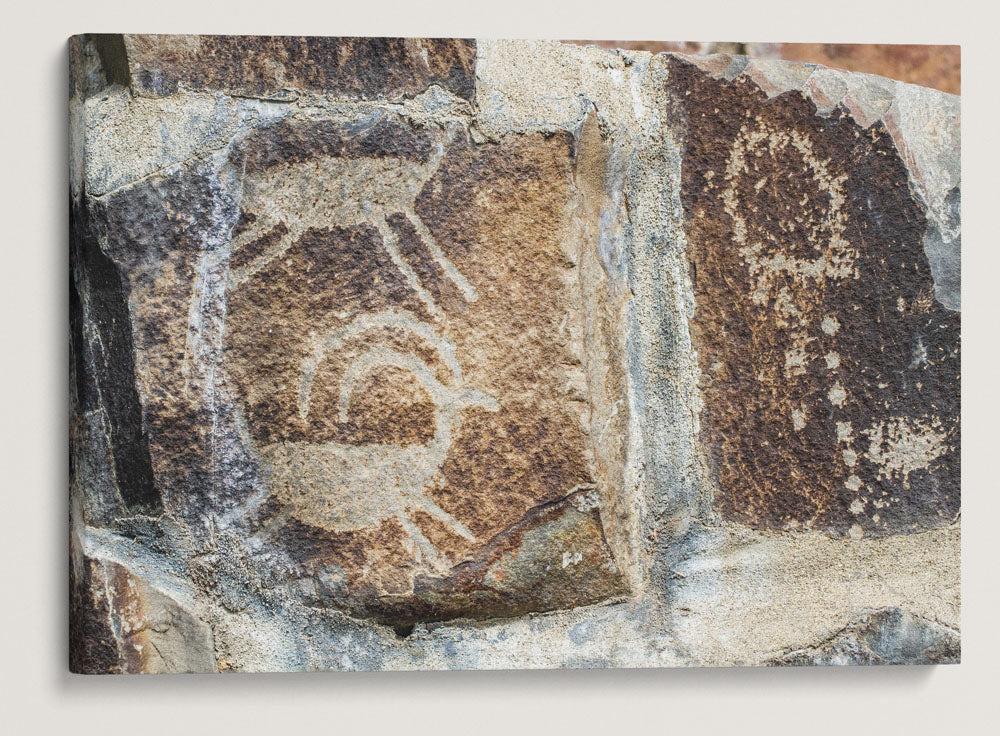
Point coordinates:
[[398, 339]]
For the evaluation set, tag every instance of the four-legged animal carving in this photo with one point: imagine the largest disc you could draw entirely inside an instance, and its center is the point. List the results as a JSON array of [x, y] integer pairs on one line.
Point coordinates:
[[343, 487], [345, 191]]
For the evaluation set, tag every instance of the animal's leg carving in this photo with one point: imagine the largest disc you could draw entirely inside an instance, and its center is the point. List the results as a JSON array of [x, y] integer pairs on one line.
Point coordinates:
[[261, 225], [441, 515], [422, 546], [275, 250], [467, 289], [392, 248]]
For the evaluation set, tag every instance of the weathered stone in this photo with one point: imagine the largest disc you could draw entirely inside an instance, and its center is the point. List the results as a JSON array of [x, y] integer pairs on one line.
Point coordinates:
[[127, 625], [939, 67], [928, 65], [369, 372], [890, 636], [829, 369], [271, 66], [675, 47]]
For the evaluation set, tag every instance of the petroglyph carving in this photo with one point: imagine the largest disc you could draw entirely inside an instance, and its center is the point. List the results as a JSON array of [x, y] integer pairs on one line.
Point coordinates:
[[769, 263], [349, 487], [704, 409], [902, 445], [328, 191], [344, 487], [781, 273], [780, 276]]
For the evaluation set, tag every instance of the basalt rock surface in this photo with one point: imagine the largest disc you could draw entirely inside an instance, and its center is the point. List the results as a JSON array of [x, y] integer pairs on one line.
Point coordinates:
[[402, 353]]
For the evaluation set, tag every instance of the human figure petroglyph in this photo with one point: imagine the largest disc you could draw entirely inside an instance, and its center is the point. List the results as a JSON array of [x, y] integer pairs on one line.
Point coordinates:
[[834, 256], [342, 487], [345, 191], [780, 277]]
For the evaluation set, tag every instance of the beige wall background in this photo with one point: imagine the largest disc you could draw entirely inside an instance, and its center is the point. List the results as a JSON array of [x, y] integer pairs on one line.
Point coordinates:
[[40, 697]]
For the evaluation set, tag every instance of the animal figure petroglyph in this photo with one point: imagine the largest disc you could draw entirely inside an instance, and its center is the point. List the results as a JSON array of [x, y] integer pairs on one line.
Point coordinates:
[[347, 191], [343, 487]]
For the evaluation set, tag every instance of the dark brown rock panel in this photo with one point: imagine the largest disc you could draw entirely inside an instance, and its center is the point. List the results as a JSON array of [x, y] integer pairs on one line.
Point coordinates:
[[104, 364], [830, 373], [158, 237], [93, 649], [270, 66]]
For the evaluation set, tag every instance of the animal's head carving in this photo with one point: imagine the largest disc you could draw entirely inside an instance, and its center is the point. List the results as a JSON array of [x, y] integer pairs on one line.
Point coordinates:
[[449, 397]]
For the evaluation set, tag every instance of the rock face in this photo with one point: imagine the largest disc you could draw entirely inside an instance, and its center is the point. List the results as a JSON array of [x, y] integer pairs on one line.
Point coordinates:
[[384, 358], [822, 309], [928, 65], [890, 636]]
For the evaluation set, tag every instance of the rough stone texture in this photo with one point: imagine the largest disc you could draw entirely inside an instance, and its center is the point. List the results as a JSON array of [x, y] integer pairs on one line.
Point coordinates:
[[394, 354], [675, 47], [279, 67], [889, 636], [928, 65], [820, 306], [939, 67]]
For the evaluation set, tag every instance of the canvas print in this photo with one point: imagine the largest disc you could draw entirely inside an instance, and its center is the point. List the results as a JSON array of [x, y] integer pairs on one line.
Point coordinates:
[[393, 354]]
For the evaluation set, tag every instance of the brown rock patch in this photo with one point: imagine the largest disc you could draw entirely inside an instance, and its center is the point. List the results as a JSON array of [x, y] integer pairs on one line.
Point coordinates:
[[264, 66], [815, 320]]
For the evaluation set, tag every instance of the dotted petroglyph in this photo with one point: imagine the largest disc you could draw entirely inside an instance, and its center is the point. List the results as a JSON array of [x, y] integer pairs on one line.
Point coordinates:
[[814, 315], [902, 445]]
